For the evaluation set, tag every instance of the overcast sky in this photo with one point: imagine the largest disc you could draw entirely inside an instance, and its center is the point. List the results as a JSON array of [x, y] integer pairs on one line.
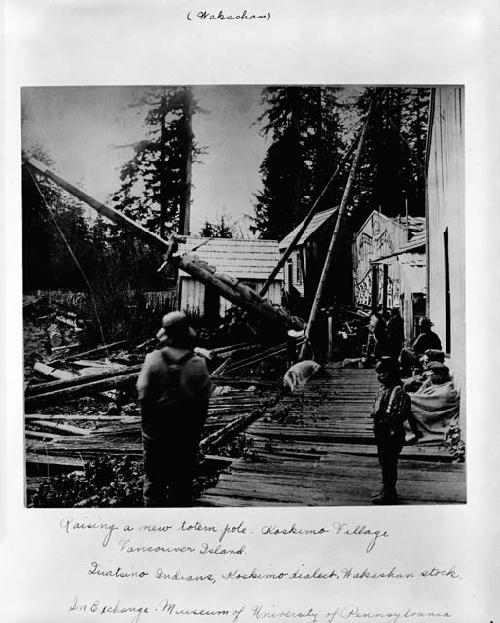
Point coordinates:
[[84, 129]]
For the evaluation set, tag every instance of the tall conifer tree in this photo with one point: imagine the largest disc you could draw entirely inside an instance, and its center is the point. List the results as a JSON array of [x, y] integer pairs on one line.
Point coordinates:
[[155, 182], [301, 124]]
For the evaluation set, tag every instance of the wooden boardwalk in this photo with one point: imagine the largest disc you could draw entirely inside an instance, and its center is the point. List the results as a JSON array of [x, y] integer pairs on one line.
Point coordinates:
[[317, 448]]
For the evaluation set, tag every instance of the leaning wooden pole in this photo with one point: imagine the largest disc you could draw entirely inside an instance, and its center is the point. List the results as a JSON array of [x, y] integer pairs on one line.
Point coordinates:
[[335, 236], [229, 288], [306, 221], [113, 215]]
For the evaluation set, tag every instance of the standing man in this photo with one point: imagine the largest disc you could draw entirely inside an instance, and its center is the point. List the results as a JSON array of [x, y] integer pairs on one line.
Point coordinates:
[[174, 389], [391, 408], [395, 333], [379, 330]]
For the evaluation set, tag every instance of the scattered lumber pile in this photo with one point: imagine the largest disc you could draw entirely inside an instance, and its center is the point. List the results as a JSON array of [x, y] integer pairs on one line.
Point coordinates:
[[61, 439], [80, 402], [62, 434]]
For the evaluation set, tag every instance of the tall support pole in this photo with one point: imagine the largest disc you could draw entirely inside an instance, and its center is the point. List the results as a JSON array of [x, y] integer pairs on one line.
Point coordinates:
[[185, 207], [335, 236], [305, 222], [162, 164]]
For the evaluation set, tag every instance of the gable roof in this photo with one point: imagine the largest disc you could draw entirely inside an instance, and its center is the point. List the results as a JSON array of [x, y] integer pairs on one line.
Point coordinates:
[[416, 224], [316, 222], [238, 258]]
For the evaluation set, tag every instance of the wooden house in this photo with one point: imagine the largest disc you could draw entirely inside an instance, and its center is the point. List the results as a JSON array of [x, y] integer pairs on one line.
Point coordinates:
[[304, 266], [404, 279], [305, 256], [248, 261], [446, 224], [389, 266]]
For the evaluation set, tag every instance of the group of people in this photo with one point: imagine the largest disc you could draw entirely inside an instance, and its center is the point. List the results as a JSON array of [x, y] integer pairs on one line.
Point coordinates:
[[388, 332], [416, 400]]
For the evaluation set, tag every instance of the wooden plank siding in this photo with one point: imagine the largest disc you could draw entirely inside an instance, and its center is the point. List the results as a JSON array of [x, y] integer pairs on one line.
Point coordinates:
[[248, 261], [382, 237], [446, 219], [192, 295]]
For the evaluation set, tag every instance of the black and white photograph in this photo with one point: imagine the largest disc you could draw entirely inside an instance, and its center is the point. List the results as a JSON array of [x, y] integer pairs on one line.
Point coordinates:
[[243, 295]]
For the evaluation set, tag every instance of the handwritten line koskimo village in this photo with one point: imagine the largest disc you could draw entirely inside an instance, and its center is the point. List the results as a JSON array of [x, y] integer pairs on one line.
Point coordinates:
[[250, 296], [224, 535]]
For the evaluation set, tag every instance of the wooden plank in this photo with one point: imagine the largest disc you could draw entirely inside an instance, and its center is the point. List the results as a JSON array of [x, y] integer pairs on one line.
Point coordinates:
[[42, 436], [60, 429], [70, 417], [43, 465], [46, 370], [98, 350], [70, 393]]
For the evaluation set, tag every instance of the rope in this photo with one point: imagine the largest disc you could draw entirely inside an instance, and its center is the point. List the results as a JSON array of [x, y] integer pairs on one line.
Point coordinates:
[[74, 257]]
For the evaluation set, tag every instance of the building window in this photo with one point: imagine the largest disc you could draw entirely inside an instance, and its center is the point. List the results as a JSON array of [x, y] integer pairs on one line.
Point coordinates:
[[298, 272]]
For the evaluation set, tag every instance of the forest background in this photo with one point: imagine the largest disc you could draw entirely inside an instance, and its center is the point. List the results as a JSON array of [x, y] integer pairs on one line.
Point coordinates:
[[298, 134]]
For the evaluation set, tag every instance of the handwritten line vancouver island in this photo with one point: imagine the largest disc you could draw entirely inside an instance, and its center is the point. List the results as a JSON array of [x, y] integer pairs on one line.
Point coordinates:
[[221, 16]]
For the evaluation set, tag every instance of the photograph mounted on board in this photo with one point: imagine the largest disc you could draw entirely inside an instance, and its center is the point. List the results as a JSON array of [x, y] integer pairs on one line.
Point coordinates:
[[243, 295]]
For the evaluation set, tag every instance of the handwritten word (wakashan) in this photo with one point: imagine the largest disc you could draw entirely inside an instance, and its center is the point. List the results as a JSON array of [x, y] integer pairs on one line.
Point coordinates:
[[369, 574], [221, 16]]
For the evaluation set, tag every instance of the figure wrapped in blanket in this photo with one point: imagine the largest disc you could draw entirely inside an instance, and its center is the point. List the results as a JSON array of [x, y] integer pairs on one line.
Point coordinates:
[[435, 405]]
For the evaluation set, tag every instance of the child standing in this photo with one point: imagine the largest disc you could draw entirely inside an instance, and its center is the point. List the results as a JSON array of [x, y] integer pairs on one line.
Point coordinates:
[[391, 408]]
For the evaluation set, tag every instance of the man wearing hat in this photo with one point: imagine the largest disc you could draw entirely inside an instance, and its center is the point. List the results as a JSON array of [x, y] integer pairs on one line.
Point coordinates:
[[174, 389], [426, 339], [390, 410]]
